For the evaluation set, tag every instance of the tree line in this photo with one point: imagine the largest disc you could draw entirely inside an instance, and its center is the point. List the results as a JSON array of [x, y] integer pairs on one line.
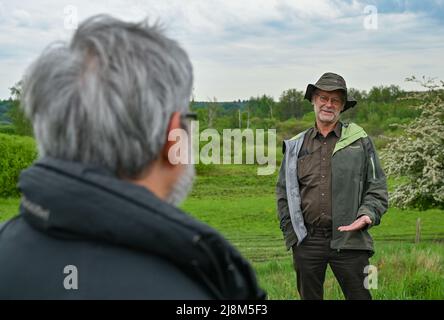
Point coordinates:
[[414, 152], [380, 103]]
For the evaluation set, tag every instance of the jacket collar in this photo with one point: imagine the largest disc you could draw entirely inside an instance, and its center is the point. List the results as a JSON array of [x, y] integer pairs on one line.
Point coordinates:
[[350, 133], [74, 201], [337, 130]]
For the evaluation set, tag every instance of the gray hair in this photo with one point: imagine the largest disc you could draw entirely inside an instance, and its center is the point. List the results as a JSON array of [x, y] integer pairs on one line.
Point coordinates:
[[107, 98]]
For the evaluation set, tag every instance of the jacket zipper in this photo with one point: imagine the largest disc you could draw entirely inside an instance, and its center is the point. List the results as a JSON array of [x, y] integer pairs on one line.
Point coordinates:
[[373, 167]]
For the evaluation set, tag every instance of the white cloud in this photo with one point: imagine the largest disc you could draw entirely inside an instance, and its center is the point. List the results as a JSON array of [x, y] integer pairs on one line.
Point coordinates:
[[245, 48]]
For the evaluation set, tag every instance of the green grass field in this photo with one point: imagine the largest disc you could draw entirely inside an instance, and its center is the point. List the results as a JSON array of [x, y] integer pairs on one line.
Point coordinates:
[[241, 205]]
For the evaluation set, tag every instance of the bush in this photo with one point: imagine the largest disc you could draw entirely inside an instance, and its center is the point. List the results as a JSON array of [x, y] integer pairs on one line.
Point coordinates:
[[16, 154], [21, 122], [418, 155], [7, 129]]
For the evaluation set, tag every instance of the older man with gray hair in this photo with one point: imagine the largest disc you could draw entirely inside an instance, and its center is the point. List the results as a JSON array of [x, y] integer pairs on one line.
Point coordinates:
[[98, 216], [331, 189]]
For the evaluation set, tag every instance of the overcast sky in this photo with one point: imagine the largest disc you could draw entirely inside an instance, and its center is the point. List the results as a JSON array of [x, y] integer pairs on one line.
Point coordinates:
[[244, 48]]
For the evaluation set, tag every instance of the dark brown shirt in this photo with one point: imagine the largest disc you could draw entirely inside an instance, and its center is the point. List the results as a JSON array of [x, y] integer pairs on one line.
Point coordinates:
[[314, 175]]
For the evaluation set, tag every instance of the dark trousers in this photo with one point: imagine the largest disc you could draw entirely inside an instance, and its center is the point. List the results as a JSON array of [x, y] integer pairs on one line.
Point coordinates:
[[310, 262]]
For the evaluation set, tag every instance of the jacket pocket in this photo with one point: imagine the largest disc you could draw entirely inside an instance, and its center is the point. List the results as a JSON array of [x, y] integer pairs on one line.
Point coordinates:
[[289, 235]]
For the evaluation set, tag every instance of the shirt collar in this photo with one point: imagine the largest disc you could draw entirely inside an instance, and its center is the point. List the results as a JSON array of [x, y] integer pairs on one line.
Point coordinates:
[[336, 130]]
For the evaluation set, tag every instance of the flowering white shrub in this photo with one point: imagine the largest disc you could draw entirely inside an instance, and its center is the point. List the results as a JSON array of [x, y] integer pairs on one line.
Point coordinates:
[[418, 154]]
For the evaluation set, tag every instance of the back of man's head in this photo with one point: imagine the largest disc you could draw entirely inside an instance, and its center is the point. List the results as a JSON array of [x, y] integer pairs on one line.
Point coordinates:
[[107, 98]]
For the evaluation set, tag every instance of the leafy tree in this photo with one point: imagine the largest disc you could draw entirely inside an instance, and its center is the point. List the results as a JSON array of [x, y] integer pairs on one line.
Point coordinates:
[[384, 93], [21, 123], [357, 94], [248, 111], [242, 117], [213, 107], [291, 104], [4, 109], [261, 106], [351, 114], [418, 155]]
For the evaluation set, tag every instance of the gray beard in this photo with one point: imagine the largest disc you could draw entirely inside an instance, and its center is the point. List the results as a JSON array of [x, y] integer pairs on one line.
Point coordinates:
[[182, 187]]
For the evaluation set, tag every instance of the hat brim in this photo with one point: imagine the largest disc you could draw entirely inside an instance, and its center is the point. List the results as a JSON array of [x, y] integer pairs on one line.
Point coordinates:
[[350, 103]]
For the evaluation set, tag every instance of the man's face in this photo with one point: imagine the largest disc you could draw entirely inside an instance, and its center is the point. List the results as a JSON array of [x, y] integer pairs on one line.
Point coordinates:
[[183, 172], [183, 186], [328, 105]]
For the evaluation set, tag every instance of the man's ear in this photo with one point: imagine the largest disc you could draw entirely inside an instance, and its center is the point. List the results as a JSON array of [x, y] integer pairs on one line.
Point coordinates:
[[175, 123]]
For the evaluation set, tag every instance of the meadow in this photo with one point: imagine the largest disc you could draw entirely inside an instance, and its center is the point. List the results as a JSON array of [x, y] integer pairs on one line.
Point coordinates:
[[241, 205]]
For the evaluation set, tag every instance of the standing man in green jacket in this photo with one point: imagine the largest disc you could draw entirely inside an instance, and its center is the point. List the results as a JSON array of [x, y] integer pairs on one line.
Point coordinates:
[[331, 189]]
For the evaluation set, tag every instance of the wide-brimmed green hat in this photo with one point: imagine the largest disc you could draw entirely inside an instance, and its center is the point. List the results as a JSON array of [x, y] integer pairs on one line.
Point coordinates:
[[330, 82]]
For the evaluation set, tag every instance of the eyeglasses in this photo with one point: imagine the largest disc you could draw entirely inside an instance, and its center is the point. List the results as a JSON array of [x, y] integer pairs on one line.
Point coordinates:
[[186, 118], [189, 115], [334, 101]]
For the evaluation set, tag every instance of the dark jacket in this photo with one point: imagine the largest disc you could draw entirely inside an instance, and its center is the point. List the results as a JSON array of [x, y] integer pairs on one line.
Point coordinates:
[[124, 242], [358, 188]]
